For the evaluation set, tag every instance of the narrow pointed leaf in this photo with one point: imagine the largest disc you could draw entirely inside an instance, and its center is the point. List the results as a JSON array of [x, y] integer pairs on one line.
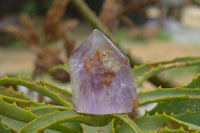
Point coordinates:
[[167, 130], [46, 107], [64, 93], [12, 93], [57, 117], [74, 125], [35, 87], [165, 94], [15, 112], [16, 125], [147, 75], [151, 123], [145, 71], [3, 129], [20, 102], [190, 119], [11, 123], [123, 129], [60, 67], [65, 128], [180, 60], [44, 110], [195, 83], [105, 129], [131, 124], [177, 106]]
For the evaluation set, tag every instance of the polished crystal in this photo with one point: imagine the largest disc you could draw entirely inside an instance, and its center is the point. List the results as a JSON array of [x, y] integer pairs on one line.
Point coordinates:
[[101, 78]]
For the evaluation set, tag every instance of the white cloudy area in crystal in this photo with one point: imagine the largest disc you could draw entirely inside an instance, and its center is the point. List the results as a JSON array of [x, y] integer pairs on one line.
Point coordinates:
[[101, 78]]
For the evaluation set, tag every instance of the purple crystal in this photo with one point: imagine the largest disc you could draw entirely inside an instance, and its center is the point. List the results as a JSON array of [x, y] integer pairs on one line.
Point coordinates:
[[101, 77]]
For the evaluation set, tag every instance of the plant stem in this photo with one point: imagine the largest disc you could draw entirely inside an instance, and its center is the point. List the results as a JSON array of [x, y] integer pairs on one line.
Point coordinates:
[[197, 2], [91, 17]]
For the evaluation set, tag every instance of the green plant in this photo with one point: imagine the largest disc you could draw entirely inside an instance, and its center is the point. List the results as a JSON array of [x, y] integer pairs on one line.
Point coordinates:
[[177, 109], [30, 8]]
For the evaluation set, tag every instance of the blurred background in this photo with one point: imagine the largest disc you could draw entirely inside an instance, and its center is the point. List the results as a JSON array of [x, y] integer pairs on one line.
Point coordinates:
[[38, 34]]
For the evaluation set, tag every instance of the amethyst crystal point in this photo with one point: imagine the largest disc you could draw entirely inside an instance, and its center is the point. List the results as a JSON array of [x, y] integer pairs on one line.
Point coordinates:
[[101, 77]]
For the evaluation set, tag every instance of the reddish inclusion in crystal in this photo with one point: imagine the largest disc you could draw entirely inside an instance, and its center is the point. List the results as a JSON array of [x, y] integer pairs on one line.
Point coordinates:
[[94, 67]]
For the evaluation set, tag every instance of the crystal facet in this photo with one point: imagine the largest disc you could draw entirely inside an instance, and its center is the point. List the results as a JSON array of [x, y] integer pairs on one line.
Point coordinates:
[[101, 77]]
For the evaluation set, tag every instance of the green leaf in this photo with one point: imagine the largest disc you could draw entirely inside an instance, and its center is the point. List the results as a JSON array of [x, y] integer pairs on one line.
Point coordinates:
[[43, 110], [195, 83], [177, 106], [35, 87], [145, 71], [67, 128], [64, 93], [51, 131], [105, 129], [62, 67], [167, 94], [47, 107], [138, 71], [13, 124], [3, 129], [131, 124], [147, 75], [151, 123], [15, 112], [12, 93], [180, 60], [190, 119], [20, 102], [74, 125], [123, 129], [16, 125], [57, 117], [167, 130]]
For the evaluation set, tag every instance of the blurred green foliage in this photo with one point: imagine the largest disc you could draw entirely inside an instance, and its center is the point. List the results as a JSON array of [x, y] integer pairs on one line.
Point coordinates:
[[33, 7]]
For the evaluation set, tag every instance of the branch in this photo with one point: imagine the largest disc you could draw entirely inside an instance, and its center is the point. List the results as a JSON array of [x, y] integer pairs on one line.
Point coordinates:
[[127, 21], [197, 2], [91, 17], [94, 21]]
